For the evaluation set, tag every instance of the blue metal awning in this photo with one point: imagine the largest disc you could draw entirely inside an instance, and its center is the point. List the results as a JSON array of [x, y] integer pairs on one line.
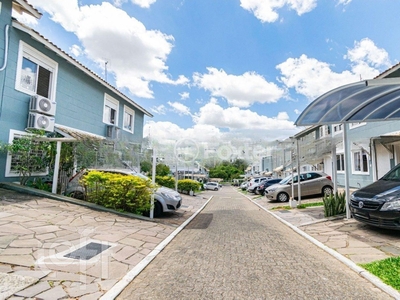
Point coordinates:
[[364, 101]]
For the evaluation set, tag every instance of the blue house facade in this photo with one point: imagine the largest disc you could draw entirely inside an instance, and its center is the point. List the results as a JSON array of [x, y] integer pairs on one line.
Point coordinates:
[[42, 87]]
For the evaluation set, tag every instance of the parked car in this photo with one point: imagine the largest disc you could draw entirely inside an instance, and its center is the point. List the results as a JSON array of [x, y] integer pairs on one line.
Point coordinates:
[[215, 186], [254, 183], [243, 185], [378, 204], [261, 188], [165, 199], [311, 183]]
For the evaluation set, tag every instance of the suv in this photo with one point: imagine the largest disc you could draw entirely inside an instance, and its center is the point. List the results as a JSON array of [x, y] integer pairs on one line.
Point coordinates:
[[165, 199], [254, 183], [311, 183], [378, 204]]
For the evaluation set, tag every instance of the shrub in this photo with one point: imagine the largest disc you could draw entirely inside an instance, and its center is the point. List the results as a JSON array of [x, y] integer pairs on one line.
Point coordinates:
[[117, 191], [334, 204], [166, 181], [187, 185]]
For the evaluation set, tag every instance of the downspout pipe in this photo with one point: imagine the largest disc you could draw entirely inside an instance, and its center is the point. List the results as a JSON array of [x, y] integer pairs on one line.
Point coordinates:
[[6, 29]]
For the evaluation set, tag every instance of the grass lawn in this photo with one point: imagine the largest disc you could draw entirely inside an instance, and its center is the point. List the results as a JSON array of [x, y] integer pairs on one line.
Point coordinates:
[[387, 270], [305, 205]]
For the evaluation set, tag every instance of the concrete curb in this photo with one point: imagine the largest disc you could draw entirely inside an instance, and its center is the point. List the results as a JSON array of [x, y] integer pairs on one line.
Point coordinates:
[[362, 272], [123, 283]]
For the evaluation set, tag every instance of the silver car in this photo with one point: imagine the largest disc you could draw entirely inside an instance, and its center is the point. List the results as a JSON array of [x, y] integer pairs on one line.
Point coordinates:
[[212, 186], [165, 199], [311, 183]]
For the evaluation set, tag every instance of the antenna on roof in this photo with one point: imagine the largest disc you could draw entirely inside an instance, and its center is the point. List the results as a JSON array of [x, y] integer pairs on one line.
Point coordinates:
[[105, 70]]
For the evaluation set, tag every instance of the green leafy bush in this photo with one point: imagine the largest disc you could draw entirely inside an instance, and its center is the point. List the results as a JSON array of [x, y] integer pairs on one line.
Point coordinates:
[[187, 185], [334, 204], [166, 181], [119, 192]]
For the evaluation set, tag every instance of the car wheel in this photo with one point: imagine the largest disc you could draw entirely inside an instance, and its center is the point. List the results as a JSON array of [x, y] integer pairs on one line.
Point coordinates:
[[216, 189], [158, 210], [327, 190], [283, 197], [78, 195]]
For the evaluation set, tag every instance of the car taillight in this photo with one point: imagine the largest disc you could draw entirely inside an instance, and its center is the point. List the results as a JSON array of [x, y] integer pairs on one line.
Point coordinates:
[[329, 177]]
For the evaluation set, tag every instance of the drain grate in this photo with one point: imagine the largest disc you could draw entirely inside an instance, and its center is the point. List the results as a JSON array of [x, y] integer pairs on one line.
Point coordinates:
[[202, 221], [88, 251], [284, 211]]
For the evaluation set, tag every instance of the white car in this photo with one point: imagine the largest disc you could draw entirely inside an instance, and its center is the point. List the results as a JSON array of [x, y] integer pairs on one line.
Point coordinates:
[[212, 186]]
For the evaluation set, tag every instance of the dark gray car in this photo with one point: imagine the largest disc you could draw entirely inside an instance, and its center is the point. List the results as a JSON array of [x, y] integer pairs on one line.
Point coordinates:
[[378, 204]]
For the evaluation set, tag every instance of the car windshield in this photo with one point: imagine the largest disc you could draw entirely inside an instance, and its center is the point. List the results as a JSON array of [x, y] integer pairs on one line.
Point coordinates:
[[286, 180], [393, 175]]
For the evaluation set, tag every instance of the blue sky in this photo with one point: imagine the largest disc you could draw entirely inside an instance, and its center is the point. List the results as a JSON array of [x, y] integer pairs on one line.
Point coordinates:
[[224, 70]]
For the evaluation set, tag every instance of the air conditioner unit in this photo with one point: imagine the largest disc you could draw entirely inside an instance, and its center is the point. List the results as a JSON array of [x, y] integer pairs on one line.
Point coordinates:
[[112, 132], [40, 121], [42, 105]]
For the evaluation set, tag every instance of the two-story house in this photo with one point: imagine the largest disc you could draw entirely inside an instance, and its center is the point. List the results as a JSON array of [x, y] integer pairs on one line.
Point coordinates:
[[42, 87]]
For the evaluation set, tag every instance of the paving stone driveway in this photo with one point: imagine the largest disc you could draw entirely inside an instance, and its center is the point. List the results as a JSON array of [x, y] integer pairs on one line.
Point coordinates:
[[36, 233], [235, 250]]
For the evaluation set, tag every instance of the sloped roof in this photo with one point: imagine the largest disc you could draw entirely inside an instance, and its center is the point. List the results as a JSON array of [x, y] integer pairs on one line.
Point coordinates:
[[364, 101], [41, 39], [22, 6]]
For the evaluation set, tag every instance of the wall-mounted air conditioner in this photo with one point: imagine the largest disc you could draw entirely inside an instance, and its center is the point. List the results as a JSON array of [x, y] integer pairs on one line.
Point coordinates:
[[42, 105], [112, 132], [40, 121]]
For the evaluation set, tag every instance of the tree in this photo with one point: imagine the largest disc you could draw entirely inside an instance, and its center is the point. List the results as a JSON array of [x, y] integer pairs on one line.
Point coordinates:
[[145, 167], [162, 170]]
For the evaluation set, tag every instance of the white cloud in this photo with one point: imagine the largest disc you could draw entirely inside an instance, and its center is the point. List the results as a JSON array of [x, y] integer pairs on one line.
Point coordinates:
[[136, 55], [236, 118], [343, 2], [160, 110], [143, 3], [240, 91], [167, 132], [179, 108], [75, 50], [184, 95], [266, 10], [312, 78]]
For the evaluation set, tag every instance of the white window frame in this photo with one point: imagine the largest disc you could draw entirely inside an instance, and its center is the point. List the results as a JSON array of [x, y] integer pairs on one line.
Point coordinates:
[[26, 51], [113, 104], [361, 154], [8, 172], [342, 160], [337, 128], [355, 125], [131, 112]]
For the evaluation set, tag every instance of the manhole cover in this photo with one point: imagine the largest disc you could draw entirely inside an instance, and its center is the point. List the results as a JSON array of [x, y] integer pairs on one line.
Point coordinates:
[[88, 251]]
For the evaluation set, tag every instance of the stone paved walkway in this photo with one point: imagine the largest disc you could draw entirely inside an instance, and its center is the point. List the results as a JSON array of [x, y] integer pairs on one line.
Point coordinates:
[[36, 233]]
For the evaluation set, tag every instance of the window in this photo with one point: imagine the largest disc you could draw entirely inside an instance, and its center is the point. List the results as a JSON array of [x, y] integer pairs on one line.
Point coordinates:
[[338, 128], [129, 117], [16, 160], [36, 73], [340, 162], [355, 125], [360, 162], [110, 114]]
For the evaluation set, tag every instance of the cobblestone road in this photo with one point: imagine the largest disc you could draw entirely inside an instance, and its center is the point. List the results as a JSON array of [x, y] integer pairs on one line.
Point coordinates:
[[234, 250]]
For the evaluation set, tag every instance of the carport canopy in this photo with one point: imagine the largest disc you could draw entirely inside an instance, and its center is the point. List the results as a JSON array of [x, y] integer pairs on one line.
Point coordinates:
[[363, 101]]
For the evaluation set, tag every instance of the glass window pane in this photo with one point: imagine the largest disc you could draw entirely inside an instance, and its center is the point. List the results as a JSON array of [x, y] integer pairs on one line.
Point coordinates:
[[28, 75]]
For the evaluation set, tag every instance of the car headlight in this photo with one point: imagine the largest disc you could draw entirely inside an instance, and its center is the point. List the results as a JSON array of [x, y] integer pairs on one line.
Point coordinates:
[[271, 190], [168, 196], [391, 205]]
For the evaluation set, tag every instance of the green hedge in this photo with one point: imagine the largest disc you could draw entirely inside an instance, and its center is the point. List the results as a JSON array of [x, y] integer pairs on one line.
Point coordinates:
[[167, 181], [187, 185], [119, 192]]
